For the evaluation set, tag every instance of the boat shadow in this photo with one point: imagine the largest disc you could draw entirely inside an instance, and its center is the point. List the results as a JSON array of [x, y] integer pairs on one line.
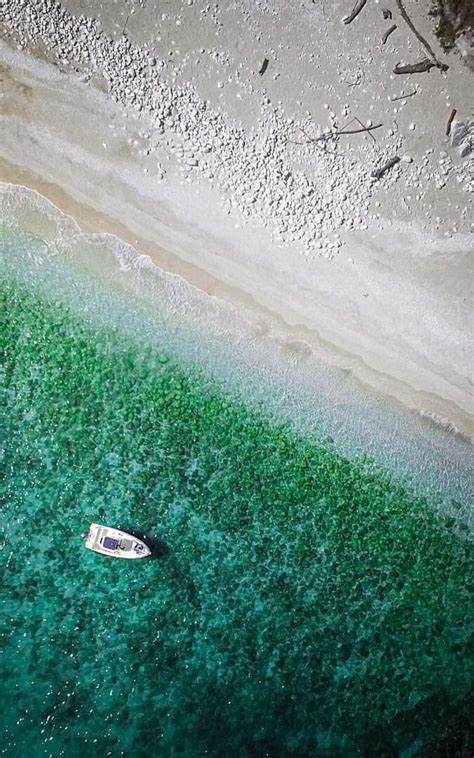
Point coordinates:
[[158, 547]]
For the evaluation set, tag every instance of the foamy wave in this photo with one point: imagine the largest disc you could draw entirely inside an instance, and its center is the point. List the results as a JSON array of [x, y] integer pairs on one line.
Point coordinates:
[[22, 208], [441, 423], [27, 211], [109, 259]]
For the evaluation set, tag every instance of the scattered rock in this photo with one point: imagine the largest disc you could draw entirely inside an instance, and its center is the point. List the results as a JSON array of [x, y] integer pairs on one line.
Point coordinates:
[[462, 137]]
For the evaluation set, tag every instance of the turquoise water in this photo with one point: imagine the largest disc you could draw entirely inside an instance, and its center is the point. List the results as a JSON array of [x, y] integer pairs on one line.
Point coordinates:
[[301, 602]]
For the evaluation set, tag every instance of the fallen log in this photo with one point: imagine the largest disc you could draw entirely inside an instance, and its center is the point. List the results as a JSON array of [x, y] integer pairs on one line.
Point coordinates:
[[414, 68], [424, 42]]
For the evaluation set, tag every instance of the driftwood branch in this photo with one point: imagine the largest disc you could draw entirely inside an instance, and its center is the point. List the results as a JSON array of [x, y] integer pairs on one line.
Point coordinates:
[[355, 11], [424, 42], [450, 121], [363, 127], [329, 135], [379, 172], [309, 139], [340, 132], [414, 68], [358, 131], [402, 97], [264, 66], [388, 33]]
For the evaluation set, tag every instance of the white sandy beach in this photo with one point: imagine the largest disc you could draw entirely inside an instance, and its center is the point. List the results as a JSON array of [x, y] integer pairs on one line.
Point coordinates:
[[372, 276]]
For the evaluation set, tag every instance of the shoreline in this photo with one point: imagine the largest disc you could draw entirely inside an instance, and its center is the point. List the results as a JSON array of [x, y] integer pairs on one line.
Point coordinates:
[[119, 289], [294, 339], [392, 306]]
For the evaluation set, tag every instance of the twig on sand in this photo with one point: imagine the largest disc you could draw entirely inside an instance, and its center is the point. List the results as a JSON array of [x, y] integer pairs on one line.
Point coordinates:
[[337, 133], [388, 33], [363, 127], [311, 139], [379, 172], [125, 24], [264, 66], [424, 42], [450, 121], [414, 68], [403, 97], [358, 131], [355, 12]]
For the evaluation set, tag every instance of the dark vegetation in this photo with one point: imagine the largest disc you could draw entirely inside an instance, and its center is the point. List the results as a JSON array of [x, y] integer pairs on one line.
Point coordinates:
[[454, 17]]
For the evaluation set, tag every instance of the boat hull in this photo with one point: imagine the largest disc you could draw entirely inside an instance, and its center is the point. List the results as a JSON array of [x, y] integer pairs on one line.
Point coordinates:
[[113, 542]]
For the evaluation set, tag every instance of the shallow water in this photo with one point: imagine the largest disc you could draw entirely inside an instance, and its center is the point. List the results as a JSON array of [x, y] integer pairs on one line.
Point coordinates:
[[106, 282], [303, 602]]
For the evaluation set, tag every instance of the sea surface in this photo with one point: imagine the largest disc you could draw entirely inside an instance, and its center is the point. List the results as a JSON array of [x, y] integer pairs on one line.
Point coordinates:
[[311, 590]]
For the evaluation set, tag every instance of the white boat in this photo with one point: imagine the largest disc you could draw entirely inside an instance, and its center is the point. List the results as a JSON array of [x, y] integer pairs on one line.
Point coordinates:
[[110, 541]]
